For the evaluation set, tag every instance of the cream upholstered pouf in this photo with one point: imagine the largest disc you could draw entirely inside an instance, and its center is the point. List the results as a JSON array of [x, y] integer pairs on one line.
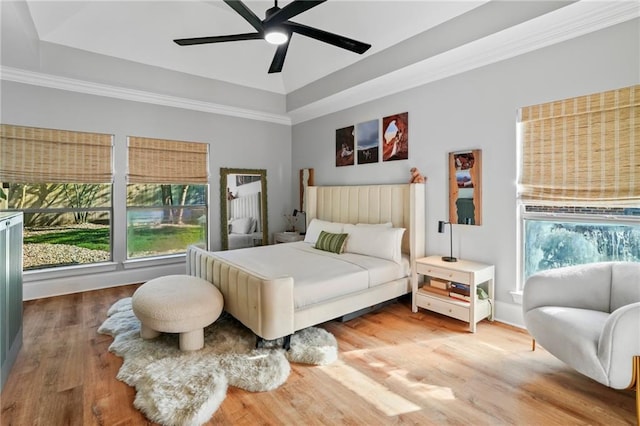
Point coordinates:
[[177, 304]]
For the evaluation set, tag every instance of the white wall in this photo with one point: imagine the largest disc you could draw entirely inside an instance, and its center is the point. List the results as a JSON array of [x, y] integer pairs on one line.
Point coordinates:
[[476, 109], [234, 142]]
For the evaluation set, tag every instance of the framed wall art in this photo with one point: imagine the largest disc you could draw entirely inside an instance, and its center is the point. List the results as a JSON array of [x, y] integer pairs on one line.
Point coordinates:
[[368, 141], [345, 146], [465, 187], [395, 137]]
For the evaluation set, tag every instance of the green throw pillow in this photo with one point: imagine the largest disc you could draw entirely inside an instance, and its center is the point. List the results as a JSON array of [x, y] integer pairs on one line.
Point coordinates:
[[331, 242]]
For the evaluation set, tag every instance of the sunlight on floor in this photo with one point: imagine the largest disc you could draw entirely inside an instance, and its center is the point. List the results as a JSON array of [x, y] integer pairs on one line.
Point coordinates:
[[422, 390], [375, 393]]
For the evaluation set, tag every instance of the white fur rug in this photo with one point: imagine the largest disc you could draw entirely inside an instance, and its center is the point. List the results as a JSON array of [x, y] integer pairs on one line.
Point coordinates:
[[186, 388]]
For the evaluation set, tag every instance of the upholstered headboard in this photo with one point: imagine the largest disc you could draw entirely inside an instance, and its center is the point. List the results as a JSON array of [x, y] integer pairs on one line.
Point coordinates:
[[247, 206], [401, 204]]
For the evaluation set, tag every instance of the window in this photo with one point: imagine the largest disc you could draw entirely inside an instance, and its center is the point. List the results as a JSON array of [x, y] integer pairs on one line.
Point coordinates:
[[555, 237], [579, 181], [61, 180], [166, 196]]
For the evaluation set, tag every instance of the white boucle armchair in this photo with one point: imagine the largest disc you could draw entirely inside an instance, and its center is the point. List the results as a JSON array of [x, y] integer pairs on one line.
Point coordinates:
[[588, 316]]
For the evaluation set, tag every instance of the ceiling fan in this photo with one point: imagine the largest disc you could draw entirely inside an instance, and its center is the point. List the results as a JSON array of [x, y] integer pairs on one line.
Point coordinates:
[[276, 28]]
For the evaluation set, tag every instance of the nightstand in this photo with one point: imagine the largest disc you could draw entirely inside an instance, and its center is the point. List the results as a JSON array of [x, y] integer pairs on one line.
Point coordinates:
[[460, 273], [287, 237]]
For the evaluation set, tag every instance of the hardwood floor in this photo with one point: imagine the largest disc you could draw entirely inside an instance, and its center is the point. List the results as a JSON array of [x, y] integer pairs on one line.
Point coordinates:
[[395, 367]]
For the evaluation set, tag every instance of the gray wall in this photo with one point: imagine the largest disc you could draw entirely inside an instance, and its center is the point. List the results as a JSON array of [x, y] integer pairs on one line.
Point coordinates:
[[475, 110], [234, 142]]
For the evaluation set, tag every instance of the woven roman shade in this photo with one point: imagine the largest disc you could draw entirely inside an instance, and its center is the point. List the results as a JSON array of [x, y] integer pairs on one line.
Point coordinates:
[[34, 155], [167, 162], [582, 151]]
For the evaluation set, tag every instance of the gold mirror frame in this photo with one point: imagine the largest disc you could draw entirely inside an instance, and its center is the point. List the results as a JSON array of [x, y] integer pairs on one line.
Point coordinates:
[[224, 173]]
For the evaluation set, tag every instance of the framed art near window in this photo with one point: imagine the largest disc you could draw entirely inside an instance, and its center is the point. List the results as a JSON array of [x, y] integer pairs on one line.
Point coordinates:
[[465, 189]]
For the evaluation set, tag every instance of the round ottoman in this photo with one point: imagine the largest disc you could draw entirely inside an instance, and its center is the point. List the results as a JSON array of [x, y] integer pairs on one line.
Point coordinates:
[[177, 304]]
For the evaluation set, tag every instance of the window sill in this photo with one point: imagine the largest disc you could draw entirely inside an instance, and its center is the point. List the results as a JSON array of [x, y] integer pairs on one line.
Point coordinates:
[[146, 262], [68, 271], [516, 296]]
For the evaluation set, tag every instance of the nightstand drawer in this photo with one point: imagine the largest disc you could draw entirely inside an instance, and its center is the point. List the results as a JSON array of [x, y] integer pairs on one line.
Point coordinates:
[[442, 307], [445, 274]]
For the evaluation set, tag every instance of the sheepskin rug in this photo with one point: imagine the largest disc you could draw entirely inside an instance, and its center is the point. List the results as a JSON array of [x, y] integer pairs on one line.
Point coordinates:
[[186, 388]]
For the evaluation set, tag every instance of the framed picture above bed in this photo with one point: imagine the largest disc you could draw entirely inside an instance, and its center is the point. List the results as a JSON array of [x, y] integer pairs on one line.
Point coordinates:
[[345, 146], [465, 187], [395, 137]]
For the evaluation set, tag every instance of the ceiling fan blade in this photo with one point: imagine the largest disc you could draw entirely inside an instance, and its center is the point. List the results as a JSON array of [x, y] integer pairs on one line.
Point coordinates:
[[246, 13], [324, 36], [278, 58], [294, 8], [218, 39]]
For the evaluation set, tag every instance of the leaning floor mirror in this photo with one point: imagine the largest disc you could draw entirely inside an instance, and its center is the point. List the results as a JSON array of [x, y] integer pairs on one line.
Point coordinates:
[[243, 208]]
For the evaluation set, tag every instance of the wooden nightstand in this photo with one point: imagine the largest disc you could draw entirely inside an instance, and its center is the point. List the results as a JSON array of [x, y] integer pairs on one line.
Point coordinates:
[[471, 274], [287, 237]]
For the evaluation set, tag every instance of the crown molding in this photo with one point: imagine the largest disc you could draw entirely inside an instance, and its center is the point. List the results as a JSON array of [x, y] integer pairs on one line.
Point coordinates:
[[81, 86], [569, 22], [575, 20]]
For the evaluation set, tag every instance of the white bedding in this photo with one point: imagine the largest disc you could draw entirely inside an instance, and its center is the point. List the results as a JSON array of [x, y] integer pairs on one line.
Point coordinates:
[[318, 275]]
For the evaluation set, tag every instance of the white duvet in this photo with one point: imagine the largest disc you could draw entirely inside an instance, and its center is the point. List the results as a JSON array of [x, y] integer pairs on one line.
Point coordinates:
[[318, 275]]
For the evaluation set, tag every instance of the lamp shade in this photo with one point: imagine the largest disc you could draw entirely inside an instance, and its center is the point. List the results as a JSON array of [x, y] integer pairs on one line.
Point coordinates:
[[441, 225]]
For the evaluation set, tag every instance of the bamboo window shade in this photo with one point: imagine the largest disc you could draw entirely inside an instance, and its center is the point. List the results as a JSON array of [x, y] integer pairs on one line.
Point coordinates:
[[582, 151], [35, 155], [167, 162]]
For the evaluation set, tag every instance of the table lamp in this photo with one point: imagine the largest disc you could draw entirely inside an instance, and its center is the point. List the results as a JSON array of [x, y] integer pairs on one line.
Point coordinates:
[[441, 225]]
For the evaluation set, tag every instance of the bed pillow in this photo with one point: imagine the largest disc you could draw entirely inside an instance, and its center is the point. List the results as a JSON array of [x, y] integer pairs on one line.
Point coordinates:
[[331, 242], [376, 241], [316, 226], [241, 225], [376, 225]]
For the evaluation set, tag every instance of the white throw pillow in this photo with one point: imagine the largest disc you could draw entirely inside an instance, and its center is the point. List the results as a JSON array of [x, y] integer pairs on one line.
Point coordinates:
[[376, 241], [376, 225], [241, 225], [316, 226]]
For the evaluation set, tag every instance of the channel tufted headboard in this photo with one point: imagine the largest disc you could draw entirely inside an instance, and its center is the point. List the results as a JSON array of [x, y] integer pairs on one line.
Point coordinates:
[[401, 204]]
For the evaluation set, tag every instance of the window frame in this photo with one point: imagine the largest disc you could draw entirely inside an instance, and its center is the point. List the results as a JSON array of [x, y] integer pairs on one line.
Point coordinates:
[[63, 210], [129, 208], [192, 155], [523, 215], [598, 111]]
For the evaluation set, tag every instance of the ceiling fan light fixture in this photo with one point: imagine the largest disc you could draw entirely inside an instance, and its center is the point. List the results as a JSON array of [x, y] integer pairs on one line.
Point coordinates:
[[276, 36]]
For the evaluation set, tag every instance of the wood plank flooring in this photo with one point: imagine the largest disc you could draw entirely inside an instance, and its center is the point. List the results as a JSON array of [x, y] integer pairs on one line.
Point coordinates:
[[394, 367]]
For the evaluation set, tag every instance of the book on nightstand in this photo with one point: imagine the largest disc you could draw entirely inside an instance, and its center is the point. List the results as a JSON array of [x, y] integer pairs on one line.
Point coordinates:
[[435, 290], [460, 288], [459, 296], [438, 283]]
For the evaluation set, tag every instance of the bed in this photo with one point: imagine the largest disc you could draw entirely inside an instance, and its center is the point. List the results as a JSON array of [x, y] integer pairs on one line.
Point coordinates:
[[277, 290]]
